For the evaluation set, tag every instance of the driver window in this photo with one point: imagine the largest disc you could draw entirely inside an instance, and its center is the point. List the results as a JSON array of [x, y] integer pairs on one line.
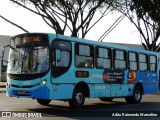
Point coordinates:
[[61, 57]]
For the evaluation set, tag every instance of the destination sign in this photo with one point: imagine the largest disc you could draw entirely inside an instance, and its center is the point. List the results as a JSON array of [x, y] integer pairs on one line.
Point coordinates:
[[27, 39]]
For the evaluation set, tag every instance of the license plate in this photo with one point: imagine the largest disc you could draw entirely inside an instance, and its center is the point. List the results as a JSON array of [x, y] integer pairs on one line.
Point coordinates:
[[21, 92]]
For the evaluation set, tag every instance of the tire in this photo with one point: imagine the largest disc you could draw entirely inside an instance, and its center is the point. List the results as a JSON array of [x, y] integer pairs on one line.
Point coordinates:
[[106, 99], [78, 98], [129, 100], [43, 101], [137, 96]]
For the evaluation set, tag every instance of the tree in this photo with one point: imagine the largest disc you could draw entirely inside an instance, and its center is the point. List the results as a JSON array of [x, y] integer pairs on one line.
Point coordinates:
[[145, 15], [14, 24], [149, 13], [73, 15]]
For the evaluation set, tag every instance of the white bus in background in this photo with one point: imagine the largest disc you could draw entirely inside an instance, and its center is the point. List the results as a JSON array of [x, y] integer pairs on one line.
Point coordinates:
[[4, 40]]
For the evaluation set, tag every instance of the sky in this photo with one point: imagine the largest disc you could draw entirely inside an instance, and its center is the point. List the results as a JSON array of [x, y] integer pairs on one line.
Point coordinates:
[[125, 32]]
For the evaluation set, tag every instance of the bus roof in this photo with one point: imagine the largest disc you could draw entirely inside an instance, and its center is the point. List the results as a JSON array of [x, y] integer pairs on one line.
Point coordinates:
[[103, 44], [106, 44]]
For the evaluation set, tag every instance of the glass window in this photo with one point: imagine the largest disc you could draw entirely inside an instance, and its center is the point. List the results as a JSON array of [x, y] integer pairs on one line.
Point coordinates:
[[64, 59], [133, 66], [28, 60], [119, 64], [84, 55], [84, 50], [152, 67], [119, 55], [103, 63], [103, 57], [143, 66], [133, 61], [142, 58], [132, 56], [61, 57], [120, 61], [153, 63], [103, 53], [152, 59]]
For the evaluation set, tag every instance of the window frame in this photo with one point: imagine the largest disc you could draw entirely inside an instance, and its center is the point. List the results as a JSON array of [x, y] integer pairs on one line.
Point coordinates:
[[109, 56], [92, 54], [125, 58], [129, 68], [152, 63], [56, 68], [143, 62]]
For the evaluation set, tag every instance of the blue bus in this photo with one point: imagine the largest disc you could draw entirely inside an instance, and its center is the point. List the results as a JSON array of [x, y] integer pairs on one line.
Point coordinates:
[[47, 67]]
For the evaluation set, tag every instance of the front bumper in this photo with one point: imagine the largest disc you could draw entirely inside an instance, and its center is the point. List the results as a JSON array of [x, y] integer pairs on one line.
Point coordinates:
[[41, 93]]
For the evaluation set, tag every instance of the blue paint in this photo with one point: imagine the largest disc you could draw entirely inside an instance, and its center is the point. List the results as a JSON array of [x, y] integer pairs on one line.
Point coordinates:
[[62, 87]]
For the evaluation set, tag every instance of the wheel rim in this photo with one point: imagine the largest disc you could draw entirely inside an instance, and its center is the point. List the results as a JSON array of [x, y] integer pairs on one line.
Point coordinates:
[[138, 94], [79, 98]]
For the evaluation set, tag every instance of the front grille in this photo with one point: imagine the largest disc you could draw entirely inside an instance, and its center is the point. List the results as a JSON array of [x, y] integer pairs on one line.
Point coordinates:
[[17, 86]]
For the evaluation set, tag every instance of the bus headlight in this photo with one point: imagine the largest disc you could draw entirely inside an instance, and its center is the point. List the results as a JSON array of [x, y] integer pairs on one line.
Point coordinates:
[[41, 84], [44, 82]]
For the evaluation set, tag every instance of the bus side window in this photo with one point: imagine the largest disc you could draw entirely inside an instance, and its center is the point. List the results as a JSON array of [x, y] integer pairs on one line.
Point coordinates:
[[103, 58], [61, 57], [133, 65], [120, 59], [143, 64], [152, 63], [84, 55]]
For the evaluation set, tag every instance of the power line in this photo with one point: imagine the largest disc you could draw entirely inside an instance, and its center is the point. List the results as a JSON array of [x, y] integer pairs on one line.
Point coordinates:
[[111, 28]]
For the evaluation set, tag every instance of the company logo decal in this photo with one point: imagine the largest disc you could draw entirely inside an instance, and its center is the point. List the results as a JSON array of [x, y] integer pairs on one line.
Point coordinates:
[[113, 76]]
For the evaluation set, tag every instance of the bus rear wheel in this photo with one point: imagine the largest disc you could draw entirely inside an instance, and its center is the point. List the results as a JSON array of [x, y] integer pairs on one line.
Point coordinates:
[[43, 101], [137, 96], [78, 98]]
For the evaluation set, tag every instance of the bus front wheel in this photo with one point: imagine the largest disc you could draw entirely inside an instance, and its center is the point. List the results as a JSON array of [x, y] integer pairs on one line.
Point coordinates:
[[78, 98], [43, 101], [137, 96]]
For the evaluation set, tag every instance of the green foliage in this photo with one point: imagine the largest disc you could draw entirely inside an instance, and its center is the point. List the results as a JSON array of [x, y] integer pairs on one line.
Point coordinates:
[[145, 15], [148, 13], [150, 8]]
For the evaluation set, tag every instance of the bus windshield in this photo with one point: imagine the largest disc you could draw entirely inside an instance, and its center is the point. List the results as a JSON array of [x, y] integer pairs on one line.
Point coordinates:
[[28, 59]]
